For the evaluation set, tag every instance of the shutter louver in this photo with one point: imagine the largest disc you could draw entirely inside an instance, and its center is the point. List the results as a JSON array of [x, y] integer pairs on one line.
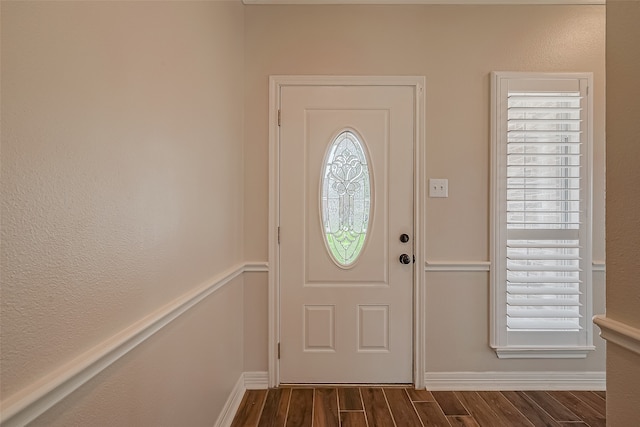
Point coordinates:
[[543, 211]]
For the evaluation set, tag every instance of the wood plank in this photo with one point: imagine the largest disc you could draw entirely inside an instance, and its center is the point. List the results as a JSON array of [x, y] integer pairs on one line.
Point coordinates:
[[558, 411], [268, 408], [325, 407], [420, 395], [431, 414], [504, 409], [479, 408], [274, 412], [602, 394], [593, 400], [534, 413], [462, 421], [376, 408], [300, 408], [353, 419], [401, 407], [589, 415], [350, 399], [449, 403], [250, 408]]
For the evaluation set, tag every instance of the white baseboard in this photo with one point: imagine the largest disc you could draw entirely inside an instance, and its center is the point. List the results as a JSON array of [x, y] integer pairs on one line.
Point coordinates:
[[257, 380], [549, 380], [232, 404]]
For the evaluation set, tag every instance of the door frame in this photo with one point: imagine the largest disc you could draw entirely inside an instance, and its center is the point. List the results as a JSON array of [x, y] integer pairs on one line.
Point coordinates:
[[419, 187]]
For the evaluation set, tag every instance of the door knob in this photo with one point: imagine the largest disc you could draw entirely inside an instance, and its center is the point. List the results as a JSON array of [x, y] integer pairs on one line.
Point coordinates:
[[405, 259], [404, 238]]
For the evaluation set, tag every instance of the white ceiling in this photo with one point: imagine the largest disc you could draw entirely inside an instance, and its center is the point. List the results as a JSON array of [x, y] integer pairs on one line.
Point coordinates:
[[469, 2]]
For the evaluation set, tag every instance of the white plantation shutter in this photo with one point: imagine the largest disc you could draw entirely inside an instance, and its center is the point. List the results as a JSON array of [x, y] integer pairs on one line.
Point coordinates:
[[541, 221]]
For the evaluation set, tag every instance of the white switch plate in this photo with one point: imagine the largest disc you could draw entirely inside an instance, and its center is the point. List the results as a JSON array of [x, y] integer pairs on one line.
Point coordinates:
[[438, 187]]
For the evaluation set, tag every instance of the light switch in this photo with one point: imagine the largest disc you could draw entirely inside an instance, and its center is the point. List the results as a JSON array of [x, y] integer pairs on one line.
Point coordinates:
[[438, 187]]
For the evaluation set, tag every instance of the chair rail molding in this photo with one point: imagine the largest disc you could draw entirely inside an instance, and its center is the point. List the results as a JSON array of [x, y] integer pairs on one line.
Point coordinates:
[[618, 333], [599, 265], [471, 265], [454, 265], [35, 399]]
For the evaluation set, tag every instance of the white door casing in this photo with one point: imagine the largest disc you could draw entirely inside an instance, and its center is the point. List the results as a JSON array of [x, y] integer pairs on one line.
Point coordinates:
[[361, 323]]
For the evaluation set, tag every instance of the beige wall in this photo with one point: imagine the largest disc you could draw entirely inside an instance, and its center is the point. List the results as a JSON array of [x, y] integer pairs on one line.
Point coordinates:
[[455, 47], [125, 141], [623, 205], [181, 376], [122, 183]]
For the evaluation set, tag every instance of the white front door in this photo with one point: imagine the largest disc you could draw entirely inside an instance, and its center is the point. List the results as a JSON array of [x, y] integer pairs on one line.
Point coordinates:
[[346, 200]]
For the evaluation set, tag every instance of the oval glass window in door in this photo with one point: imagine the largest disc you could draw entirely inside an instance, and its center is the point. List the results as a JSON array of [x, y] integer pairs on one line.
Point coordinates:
[[346, 198]]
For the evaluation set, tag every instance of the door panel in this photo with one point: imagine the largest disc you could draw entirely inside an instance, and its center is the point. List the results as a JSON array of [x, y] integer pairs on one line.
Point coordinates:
[[346, 324]]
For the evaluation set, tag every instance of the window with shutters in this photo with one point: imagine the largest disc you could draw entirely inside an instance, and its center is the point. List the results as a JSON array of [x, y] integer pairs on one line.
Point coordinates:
[[541, 219]]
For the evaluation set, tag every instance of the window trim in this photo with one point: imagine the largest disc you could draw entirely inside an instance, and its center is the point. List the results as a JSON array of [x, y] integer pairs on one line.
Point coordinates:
[[499, 336]]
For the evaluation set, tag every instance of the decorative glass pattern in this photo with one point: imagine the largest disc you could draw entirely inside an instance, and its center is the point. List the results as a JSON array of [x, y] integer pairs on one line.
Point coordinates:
[[346, 198]]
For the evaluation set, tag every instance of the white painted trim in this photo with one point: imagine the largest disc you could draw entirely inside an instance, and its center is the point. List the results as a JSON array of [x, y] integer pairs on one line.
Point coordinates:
[[248, 381], [274, 221], [258, 380], [255, 266], [275, 84], [319, 80], [230, 408], [540, 352], [442, 2], [457, 266], [549, 380], [598, 265], [618, 333], [32, 401], [499, 336], [419, 225]]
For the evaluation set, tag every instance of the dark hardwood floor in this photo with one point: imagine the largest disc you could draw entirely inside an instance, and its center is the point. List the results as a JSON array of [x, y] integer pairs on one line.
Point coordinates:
[[371, 406]]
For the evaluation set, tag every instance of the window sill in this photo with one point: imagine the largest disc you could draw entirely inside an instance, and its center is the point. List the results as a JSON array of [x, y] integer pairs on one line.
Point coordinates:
[[543, 352]]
